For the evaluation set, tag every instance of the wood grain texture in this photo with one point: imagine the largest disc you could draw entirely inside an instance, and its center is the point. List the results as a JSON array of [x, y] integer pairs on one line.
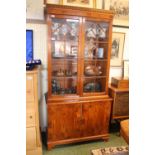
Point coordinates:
[[33, 139], [120, 106], [73, 122], [64, 123], [84, 116]]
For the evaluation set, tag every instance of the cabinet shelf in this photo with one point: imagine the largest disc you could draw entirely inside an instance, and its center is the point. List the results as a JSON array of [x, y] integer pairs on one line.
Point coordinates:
[[98, 42], [93, 77], [95, 59], [65, 58], [64, 40], [61, 77]]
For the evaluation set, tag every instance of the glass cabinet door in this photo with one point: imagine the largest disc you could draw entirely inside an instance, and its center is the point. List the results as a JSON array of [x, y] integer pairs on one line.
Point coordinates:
[[65, 44], [95, 56]]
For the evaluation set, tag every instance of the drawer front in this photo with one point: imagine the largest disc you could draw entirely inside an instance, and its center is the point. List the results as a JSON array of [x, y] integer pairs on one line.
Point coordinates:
[[30, 106], [121, 104], [30, 138], [37, 151], [29, 88], [30, 119]]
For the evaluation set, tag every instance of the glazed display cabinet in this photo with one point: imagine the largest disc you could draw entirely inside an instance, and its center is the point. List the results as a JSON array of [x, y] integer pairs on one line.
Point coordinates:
[[79, 47]]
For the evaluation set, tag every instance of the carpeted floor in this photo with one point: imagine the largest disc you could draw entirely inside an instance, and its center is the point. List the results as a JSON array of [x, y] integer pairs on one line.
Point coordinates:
[[86, 147]]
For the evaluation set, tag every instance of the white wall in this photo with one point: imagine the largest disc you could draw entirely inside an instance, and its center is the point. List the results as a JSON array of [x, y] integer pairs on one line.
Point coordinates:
[[34, 9], [40, 52]]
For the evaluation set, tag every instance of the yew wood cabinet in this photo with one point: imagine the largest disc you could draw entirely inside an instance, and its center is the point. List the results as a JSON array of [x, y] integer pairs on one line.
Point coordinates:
[[79, 47]]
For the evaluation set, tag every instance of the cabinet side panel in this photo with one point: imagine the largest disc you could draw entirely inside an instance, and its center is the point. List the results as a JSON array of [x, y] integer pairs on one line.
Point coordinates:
[[121, 104]]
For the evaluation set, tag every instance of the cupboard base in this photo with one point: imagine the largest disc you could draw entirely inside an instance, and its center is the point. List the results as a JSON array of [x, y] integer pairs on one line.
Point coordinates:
[[51, 144]]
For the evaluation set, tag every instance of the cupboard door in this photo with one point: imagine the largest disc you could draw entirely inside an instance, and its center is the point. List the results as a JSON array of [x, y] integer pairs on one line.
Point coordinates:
[[95, 57], [96, 116], [64, 55], [63, 121]]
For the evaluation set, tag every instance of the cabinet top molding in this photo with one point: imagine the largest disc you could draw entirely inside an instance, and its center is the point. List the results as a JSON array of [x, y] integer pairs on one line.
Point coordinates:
[[78, 11]]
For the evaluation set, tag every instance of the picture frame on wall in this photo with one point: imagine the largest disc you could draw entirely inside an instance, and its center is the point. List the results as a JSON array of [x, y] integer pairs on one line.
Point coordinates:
[[121, 10], [118, 39], [52, 1], [80, 3]]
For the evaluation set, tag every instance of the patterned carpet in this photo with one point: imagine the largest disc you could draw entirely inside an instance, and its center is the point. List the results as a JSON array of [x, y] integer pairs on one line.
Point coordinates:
[[122, 150], [85, 147]]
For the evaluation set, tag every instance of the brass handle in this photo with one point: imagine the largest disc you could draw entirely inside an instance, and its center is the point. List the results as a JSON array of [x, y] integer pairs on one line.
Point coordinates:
[[30, 117]]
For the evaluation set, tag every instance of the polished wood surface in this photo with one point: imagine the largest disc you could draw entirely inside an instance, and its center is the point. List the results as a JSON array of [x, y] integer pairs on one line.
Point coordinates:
[[33, 141], [119, 82], [70, 122], [120, 106], [81, 116], [124, 130]]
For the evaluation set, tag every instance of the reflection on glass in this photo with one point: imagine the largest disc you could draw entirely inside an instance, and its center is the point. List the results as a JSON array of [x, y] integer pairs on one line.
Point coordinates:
[[92, 70], [97, 31], [61, 87], [65, 36], [95, 56], [65, 29], [92, 86]]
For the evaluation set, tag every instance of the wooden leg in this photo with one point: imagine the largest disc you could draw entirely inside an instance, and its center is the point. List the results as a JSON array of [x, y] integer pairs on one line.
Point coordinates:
[[50, 146], [105, 139]]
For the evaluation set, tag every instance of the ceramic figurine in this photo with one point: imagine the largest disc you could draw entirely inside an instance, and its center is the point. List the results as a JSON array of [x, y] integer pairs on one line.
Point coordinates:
[[102, 33], [73, 30], [55, 86], [64, 29], [92, 70], [91, 33], [60, 72], [89, 87]]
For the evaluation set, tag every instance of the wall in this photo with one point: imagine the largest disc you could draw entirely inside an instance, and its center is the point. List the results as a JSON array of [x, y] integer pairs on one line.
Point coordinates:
[[40, 52]]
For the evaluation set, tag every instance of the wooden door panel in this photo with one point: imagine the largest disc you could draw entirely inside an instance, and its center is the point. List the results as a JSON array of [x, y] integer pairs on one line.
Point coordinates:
[[63, 121], [96, 117]]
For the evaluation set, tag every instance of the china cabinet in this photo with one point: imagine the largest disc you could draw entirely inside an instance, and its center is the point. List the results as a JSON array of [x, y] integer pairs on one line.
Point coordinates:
[[79, 46]]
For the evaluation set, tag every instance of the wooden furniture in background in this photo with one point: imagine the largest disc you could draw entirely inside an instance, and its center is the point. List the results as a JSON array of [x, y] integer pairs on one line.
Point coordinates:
[[124, 130], [120, 106], [79, 47], [119, 82], [33, 139]]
